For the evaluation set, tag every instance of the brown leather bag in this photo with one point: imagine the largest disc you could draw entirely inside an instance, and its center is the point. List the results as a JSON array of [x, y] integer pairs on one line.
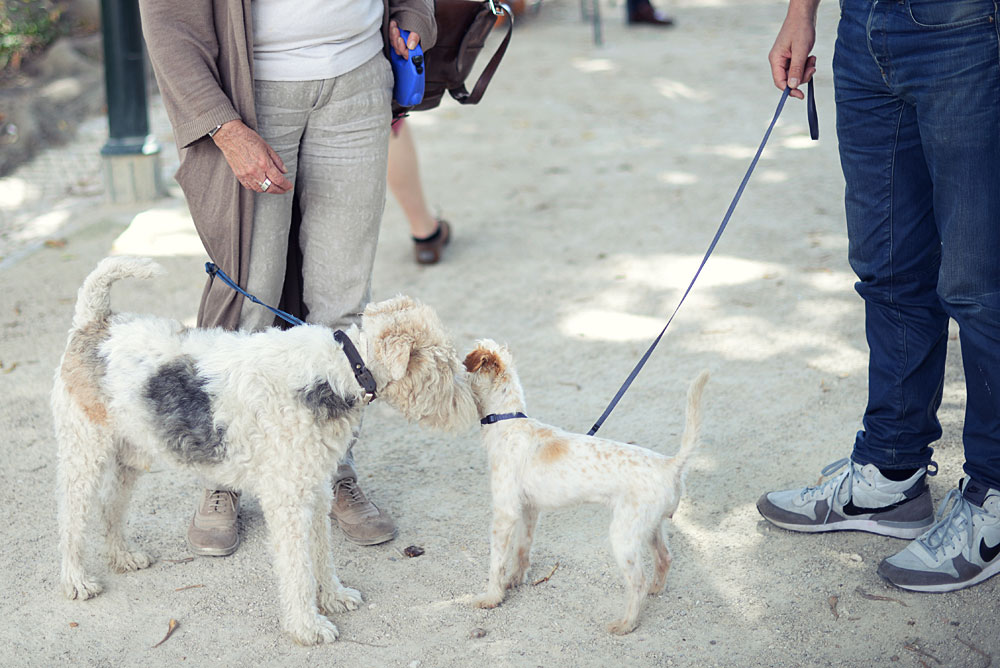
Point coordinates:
[[463, 26]]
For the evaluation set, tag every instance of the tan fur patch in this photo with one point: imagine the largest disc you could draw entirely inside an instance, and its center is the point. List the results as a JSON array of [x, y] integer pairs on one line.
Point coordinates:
[[553, 449], [485, 360], [82, 368]]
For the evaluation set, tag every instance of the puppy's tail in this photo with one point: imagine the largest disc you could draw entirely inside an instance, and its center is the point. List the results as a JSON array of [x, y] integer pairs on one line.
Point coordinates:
[[93, 301], [691, 437]]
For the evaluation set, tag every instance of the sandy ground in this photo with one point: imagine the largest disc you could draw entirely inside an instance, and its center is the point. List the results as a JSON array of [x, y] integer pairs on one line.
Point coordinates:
[[583, 191]]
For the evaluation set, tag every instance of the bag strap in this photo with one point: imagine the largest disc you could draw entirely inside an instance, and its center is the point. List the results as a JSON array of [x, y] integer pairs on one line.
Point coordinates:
[[460, 93]]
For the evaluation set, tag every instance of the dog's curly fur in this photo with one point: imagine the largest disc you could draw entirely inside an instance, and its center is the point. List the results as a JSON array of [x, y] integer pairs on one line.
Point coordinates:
[[535, 467], [270, 413]]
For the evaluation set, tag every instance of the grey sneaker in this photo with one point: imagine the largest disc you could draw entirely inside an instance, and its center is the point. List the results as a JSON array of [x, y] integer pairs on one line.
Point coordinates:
[[360, 519], [213, 531], [860, 498], [960, 550]]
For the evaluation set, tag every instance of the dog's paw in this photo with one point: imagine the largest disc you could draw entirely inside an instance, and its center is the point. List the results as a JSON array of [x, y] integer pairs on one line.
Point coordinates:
[[487, 601], [622, 627], [320, 631], [125, 561], [342, 600], [81, 589]]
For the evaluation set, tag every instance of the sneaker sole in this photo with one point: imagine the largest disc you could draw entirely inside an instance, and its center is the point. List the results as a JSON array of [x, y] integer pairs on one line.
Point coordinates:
[[906, 530], [985, 574], [869, 526]]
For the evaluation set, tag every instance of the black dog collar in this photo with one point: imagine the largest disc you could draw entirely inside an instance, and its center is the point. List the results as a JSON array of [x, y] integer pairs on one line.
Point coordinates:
[[361, 372], [493, 418]]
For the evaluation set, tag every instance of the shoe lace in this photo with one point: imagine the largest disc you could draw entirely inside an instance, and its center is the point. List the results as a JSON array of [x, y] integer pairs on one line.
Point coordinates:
[[823, 489], [954, 522], [352, 493], [221, 501]]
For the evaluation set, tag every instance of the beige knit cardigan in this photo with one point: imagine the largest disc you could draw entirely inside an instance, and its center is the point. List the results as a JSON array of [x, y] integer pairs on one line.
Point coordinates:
[[201, 52]]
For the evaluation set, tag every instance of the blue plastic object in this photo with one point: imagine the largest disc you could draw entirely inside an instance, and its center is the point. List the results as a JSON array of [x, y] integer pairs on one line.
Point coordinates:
[[408, 88]]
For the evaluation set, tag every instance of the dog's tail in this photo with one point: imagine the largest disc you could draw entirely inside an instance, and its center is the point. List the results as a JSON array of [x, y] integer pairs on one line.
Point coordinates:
[[691, 437], [93, 301]]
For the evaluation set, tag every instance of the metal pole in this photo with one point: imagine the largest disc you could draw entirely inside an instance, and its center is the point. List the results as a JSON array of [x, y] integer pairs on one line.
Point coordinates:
[[125, 80], [131, 154]]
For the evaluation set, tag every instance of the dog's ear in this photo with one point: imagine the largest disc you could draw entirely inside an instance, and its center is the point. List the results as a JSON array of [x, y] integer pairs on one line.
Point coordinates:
[[485, 360], [395, 354]]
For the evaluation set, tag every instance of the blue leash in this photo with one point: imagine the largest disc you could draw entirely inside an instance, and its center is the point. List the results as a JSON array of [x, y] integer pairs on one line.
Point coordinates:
[[814, 134], [213, 270], [361, 372]]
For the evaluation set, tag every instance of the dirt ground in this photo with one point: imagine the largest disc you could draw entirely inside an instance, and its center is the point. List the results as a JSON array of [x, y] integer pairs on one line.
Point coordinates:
[[583, 192]]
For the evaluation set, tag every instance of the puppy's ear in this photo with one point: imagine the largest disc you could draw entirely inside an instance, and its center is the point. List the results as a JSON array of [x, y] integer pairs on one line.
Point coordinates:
[[485, 360], [395, 354]]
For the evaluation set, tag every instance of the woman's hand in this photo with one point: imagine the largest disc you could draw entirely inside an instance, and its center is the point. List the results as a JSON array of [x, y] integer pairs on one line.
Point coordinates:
[[256, 165], [398, 44]]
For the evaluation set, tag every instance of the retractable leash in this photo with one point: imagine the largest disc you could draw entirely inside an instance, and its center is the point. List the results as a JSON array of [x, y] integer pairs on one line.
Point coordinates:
[[361, 372], [814, 134]]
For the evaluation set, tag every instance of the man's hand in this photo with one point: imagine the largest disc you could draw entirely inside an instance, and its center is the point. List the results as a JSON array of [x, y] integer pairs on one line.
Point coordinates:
[[791, 63], [252, 159], [398, 44]]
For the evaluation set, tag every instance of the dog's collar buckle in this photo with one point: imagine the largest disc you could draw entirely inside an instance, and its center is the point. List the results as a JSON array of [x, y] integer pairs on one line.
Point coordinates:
[[493, 418], [361, 373]]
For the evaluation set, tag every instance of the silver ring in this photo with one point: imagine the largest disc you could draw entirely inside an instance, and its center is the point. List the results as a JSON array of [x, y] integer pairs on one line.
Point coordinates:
[[266, 184]]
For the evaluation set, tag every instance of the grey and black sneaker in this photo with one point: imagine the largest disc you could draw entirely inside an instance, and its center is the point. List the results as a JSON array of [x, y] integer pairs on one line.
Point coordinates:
[[960, 550], [860, 498]]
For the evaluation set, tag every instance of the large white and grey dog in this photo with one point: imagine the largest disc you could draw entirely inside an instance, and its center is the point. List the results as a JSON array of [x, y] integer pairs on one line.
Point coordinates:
[[270, 413]]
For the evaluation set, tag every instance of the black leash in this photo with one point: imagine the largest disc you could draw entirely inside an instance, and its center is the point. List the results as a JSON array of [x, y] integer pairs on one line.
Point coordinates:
[[814, 134], [361, 373]]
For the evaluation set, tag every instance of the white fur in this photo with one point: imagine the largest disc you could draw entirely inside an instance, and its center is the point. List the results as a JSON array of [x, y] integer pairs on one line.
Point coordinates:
[[275, 444], [535, 467]]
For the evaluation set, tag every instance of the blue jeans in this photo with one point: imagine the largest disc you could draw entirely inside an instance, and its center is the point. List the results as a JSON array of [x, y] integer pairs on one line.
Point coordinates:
[[918, 119]]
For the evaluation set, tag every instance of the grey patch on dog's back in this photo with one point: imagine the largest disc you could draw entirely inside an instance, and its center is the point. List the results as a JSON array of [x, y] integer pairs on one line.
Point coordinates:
[[182, 413], [324, 402]]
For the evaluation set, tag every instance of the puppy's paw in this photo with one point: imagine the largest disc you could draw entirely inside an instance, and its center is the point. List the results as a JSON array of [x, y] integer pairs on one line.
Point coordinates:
[[622, 627], [488, 600], [81, 588], [125, 561], [342, 600], [320, 631]]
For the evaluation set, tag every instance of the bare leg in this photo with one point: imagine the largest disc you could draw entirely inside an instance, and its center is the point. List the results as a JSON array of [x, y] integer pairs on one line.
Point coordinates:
[[405, 184]]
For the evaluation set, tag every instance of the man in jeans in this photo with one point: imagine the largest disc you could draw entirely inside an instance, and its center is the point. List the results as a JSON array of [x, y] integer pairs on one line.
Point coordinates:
[[918, 120]]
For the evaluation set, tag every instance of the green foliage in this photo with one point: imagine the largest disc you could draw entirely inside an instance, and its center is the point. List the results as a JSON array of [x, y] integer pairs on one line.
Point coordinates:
[[26, 26]]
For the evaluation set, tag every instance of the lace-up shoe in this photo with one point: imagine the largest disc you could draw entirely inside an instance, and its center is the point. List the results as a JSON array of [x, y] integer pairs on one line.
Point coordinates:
[[860, 498], [213, 530], [360, 519], [960, 550]]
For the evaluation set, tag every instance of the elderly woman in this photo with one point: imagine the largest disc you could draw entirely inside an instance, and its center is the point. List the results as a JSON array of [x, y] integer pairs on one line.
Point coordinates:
[[281, 111]]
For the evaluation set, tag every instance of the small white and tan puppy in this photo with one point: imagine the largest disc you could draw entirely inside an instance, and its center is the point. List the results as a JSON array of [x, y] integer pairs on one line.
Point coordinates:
[[535, 467], [270, 413]]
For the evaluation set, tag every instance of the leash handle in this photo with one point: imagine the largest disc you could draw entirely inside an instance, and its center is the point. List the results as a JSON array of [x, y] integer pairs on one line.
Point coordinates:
[[213, 270], [814, 133]]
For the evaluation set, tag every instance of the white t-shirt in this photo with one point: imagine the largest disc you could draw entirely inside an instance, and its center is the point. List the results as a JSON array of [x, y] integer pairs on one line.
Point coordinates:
[[306, 40]]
